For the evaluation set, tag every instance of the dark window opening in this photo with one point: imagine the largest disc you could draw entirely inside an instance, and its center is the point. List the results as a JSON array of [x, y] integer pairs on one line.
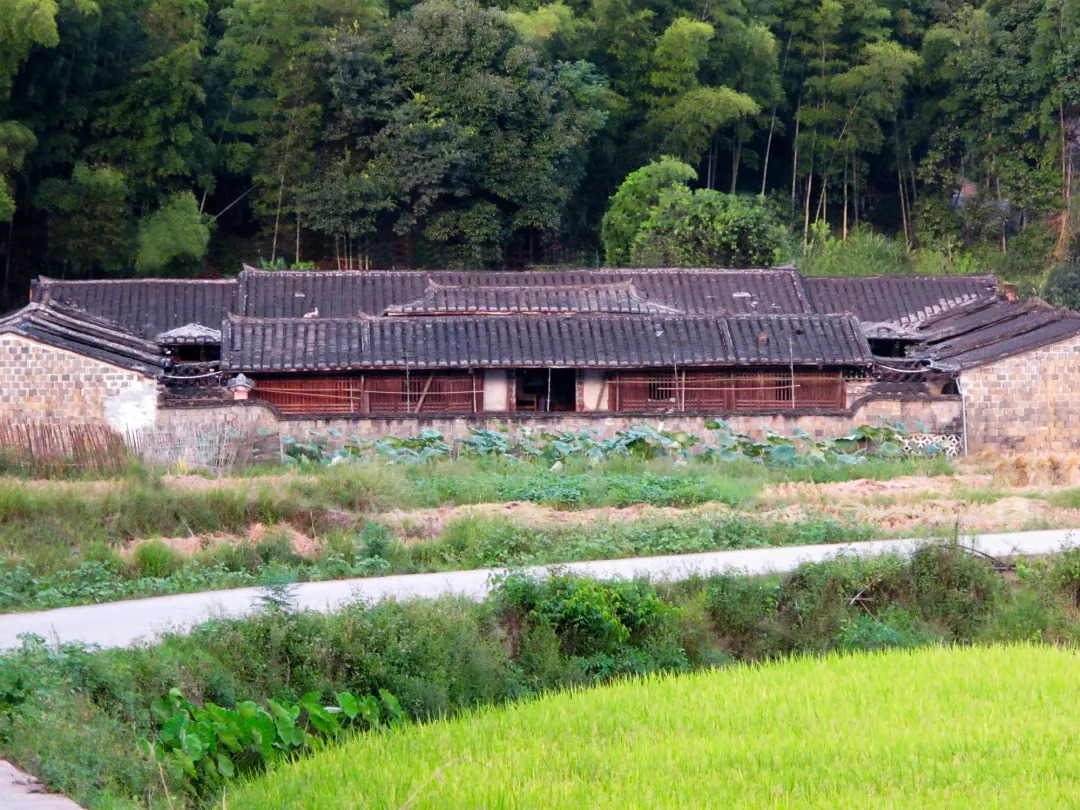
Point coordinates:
[[542, 389], [888, 347], [951, 387], [194, 353]]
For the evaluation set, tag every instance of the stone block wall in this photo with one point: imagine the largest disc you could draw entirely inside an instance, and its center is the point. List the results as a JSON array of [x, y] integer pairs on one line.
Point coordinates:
[[1030, 402], [44, 384], [939, 415]]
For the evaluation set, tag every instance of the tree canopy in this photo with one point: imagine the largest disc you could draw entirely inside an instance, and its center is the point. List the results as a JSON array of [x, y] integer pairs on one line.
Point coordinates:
[[470, 133]]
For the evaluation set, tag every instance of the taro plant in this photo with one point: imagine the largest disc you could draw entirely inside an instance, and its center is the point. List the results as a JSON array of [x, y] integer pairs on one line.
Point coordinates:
[[429, 444], [643, 442], [802, 448], [211, 743], [487, 442]]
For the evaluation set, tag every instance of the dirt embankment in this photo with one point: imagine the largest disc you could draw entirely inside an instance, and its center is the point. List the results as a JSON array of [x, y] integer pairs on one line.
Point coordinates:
[[1010, 496], [303, 544], [915, 505]]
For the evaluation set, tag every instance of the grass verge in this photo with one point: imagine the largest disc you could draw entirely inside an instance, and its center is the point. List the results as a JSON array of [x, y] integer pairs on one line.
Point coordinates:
[[762, 737], [472, 542]]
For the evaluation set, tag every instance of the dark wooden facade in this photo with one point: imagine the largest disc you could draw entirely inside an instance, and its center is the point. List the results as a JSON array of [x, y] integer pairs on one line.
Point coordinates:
[[374, 393]]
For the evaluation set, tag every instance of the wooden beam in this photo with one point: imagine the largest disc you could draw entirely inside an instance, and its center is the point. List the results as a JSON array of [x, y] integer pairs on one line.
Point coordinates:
[[423, 394]]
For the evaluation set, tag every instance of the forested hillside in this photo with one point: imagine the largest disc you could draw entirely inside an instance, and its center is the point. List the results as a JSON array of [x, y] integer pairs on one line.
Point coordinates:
[[185, 136]]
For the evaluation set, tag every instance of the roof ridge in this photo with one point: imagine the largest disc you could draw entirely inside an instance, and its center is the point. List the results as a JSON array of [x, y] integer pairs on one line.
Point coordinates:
[[249, 269], [919, 276], [46, 280], [484, 316]]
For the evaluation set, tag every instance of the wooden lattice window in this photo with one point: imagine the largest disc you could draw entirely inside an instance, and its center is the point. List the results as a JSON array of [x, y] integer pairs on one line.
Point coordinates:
[[377, 393]]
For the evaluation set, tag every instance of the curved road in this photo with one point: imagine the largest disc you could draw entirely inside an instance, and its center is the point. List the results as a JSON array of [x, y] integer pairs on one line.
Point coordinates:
[[118, 624]]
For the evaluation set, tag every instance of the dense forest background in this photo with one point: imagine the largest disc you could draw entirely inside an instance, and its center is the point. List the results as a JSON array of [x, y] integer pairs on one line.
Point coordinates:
[[186, 136]]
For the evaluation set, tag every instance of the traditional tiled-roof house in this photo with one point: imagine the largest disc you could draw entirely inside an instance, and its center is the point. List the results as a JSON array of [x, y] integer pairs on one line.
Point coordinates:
[[376, 351]]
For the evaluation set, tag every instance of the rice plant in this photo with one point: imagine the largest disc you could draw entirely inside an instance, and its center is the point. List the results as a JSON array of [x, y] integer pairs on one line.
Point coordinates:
[[944, 727]]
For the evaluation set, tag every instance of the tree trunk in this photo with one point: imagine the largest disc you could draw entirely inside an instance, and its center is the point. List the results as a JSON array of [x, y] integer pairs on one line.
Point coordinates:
[[1001, 211], [7, 256], [277, 218], [900, 179], [298, 236], [855, 190], [772, 119], [768, 149], [1064, 234], [914, 198], [714, 162], [844, 230], [806, 209], [795, 152], [736, 156]]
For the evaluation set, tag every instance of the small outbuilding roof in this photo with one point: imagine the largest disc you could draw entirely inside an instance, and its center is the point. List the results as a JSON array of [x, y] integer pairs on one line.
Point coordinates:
[[73, 330], [987, 331], [145, 307], [888, 304], [603, 341]]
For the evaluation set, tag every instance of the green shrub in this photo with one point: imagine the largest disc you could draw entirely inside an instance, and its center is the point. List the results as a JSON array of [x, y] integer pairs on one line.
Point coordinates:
[[706, 228], [864, 253], [277, 548], [590, 617], [155, 559], [632, 202], [1062, 286]]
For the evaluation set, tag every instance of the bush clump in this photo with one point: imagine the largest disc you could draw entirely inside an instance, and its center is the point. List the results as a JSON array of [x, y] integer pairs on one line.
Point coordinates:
[[1062, 287], [155, 559]]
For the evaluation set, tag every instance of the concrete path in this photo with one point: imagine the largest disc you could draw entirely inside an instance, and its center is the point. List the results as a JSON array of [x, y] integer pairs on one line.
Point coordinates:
[[21, 791], [118, 624]]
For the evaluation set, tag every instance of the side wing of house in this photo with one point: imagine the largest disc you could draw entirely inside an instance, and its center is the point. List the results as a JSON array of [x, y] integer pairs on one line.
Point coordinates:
[[60, 365], [1017, 366]]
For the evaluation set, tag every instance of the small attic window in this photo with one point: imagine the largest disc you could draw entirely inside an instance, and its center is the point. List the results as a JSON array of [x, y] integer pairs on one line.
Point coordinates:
[[888, 347]]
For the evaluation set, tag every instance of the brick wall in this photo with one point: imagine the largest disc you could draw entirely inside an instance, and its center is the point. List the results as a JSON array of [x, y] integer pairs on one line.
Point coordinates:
[[940, 414], [1030, 402], [43, 383]]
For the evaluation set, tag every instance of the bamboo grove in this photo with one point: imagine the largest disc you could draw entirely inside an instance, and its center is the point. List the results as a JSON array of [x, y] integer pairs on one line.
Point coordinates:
[[183, 136]]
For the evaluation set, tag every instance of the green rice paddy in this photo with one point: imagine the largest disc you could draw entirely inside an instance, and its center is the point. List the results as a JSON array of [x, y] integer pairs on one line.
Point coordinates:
[[991, 727]]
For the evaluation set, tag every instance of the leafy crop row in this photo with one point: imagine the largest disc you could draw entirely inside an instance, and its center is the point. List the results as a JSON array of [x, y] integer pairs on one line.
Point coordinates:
[[641, 442]]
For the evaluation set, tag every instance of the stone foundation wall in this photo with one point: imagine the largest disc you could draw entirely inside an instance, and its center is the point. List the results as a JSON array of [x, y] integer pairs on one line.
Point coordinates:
[[44, 384], [938, 415], [1026, 403]]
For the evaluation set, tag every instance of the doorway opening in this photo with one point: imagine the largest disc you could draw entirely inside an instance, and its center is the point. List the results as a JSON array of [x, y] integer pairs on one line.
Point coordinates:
[[542, 389]]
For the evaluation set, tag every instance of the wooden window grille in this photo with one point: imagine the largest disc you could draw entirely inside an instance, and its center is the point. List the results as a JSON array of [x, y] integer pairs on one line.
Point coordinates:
[[651, 391], [378, 393], [702, 390]]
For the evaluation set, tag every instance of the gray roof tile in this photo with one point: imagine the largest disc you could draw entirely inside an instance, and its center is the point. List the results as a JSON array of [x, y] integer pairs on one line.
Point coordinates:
[[270, 344]]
